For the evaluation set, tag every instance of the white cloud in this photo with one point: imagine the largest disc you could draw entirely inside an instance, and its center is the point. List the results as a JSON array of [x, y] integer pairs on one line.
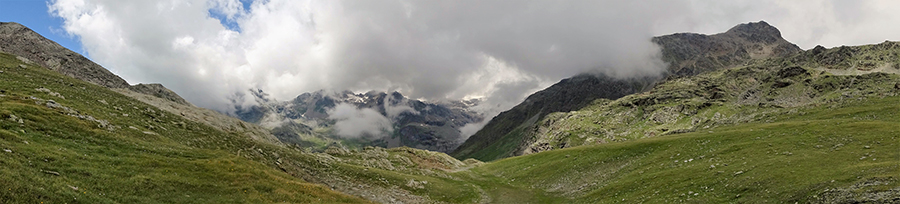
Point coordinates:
[[393, 108], [353, 122], [500, 50]]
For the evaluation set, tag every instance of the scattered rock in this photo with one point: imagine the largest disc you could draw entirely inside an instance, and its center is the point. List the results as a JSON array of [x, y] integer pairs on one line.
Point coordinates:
[[50, 172], [45, 90], [738, 173], [103, 102], [7, 150], [23, 66], [416, 184], [868, 191], [14, 118], [24, 60]]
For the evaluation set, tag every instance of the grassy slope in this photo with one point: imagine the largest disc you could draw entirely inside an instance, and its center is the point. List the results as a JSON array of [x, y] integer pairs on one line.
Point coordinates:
[[791, 160], [177, 162]]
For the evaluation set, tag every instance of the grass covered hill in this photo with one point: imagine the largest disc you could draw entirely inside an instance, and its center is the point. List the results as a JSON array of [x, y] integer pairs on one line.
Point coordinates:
[[69, 141]]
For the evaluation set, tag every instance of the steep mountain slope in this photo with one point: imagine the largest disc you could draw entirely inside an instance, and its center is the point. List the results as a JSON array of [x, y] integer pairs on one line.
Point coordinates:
[[30, 46], [21, 41], [757, 92], [501, 136], [687, 54], [306, 120]]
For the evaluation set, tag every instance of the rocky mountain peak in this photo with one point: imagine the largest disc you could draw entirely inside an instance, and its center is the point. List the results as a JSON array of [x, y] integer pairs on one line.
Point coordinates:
[[689, 54], [756, 32]]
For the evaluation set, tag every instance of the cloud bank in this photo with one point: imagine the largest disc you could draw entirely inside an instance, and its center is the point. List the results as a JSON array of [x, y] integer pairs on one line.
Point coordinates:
[[353, 122], [212, 51]]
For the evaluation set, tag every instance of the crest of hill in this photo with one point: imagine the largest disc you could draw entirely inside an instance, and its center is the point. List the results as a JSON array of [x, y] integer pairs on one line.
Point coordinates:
[[690, 54], [21, 41]]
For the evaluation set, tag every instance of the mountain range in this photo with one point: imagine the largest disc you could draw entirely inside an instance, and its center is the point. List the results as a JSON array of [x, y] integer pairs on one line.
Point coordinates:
[[740, 117], [307, 120]]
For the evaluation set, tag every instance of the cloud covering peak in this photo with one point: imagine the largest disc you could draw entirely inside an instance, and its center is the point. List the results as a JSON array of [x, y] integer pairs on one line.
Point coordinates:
[[212, 51]]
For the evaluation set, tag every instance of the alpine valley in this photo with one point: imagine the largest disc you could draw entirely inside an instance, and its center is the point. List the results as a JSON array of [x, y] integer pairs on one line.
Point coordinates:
[[742, 116]]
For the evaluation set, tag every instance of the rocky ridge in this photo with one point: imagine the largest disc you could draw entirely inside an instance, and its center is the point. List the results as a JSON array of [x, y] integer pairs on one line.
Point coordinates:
[[21, 41], [757, 92]]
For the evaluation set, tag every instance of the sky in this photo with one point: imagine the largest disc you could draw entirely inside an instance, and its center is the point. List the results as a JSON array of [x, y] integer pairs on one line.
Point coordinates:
[[212, 52]]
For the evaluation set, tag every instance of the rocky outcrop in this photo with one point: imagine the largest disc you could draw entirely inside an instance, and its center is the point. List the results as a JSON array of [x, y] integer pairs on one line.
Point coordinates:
[[19, 40], [688, 54]]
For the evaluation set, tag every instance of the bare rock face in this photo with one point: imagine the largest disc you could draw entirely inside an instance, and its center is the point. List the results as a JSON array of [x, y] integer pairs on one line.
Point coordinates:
[[19, 40], [689, 54]]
